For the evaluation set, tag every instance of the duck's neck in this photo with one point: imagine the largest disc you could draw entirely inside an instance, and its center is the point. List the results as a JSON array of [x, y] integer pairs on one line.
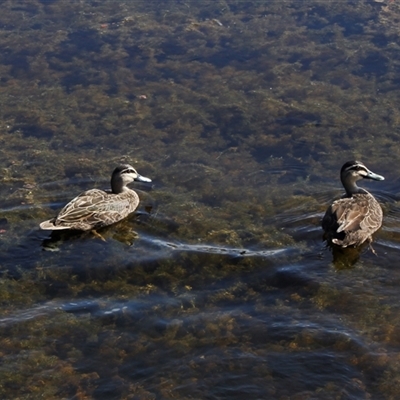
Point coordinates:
[[117, 186], [352, 188]]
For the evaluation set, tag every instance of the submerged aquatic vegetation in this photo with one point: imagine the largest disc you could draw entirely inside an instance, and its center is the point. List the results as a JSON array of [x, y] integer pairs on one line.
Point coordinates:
[[241, 111]]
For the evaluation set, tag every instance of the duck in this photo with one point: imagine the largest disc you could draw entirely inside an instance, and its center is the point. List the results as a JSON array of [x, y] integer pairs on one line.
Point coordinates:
[[352, 219], [96, 208]]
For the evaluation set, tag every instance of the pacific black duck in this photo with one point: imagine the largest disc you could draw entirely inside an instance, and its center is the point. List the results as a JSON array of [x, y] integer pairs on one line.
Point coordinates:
[[352, 219], [96, 208]]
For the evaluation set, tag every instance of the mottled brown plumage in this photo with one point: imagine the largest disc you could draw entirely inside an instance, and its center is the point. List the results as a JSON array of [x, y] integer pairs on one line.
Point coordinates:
[[96, 208], [352, 219]]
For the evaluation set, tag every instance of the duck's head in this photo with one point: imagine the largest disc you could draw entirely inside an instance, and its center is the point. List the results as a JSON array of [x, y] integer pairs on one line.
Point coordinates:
[[353, 171], [123, 175]]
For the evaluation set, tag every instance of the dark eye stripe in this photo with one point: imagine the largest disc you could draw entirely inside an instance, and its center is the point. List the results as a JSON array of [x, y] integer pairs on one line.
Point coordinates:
[[356, 168]]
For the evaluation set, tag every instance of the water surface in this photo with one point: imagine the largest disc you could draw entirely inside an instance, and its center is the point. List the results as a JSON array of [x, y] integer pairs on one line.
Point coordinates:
[[219, 286]]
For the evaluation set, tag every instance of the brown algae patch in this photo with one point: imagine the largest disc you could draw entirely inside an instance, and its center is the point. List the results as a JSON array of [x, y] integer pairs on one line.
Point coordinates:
[[239, 112]]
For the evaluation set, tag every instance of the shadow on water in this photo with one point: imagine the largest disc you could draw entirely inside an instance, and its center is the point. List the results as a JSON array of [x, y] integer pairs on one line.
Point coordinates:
[[343, 258]]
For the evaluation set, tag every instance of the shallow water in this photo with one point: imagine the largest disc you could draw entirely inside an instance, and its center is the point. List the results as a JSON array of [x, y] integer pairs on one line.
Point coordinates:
[[219, 286]]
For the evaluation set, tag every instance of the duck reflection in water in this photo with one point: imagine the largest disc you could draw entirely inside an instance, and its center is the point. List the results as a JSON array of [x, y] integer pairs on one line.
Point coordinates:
[[352, 219]]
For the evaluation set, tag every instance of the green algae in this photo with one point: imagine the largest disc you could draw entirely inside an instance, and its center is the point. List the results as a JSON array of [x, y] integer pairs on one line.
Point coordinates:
[[235, 110]]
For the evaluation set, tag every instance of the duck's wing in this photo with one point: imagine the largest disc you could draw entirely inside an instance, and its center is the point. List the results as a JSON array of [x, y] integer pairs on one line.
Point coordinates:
[[349, 214], [96, 208], [360, 212], [84, 210]]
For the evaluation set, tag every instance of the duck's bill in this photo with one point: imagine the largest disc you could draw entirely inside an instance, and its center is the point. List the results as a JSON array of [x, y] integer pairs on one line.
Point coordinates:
[[141, 178], [374, 176]]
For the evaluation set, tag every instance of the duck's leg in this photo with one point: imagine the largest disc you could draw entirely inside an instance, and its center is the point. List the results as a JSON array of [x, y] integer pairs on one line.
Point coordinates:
[[98, 235], [370, 246]]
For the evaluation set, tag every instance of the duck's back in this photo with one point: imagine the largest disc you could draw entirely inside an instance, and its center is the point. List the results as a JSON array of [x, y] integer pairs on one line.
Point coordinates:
[[352, 220], [94, 209]]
